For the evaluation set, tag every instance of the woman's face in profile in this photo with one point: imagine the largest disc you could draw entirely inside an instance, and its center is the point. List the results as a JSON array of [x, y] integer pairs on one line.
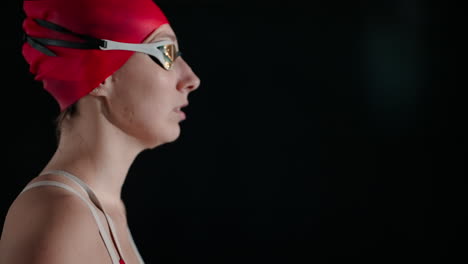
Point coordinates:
[[144, 96]]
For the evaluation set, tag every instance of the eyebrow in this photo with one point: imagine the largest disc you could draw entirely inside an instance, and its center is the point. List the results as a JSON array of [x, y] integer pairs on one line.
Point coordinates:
[[166, 35]]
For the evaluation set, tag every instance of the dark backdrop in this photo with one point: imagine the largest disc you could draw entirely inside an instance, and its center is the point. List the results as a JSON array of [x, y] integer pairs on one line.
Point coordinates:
[[319, 134]]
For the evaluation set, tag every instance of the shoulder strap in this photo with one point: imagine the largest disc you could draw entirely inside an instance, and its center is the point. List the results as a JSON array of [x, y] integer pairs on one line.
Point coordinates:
[[140, 259], [103, 232], [94, 198]]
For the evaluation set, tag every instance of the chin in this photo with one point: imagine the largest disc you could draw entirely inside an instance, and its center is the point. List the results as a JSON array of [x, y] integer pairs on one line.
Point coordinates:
[[168, 137], [175, 135]]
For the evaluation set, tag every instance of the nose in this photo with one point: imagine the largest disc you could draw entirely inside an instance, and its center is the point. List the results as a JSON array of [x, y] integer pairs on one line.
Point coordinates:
[[189, 81]]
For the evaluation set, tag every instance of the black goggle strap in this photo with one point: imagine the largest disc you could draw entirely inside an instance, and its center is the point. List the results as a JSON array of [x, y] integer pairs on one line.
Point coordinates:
[[39, 43]]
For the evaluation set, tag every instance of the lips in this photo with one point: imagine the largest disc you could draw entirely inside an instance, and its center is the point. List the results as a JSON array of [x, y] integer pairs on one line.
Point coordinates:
[[179, 112], [177, 109]]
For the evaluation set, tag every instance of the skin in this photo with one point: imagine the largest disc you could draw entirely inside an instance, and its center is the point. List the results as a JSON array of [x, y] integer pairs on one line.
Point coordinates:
[[131, 111]]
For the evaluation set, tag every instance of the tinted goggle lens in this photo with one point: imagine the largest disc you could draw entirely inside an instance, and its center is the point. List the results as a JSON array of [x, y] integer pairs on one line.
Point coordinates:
[[170, 54]]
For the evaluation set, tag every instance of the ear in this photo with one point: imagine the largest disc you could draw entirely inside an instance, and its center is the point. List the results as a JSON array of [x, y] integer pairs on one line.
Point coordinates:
[[103, 88], [95, 92]]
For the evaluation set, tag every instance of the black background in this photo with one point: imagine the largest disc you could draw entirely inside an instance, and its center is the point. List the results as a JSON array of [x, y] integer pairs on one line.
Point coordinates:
[[322, 132]]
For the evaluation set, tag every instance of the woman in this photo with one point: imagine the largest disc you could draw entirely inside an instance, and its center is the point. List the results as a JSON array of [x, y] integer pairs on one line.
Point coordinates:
[[114, 69]]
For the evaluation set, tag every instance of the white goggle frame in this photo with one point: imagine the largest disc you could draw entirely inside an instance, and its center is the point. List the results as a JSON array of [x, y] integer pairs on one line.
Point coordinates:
[[153, 49]]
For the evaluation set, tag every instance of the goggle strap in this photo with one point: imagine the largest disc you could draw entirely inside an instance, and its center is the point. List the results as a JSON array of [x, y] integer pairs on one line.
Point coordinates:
[[65, 43], [40, 47], [61, 29], [39, 43], [91, 43]]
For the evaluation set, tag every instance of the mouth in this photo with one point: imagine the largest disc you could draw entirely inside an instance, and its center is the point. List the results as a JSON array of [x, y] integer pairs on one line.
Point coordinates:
[[177, 109], [181, 114]]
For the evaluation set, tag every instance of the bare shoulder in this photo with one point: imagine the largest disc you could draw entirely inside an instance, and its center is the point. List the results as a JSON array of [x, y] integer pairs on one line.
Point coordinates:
[[50, 225]]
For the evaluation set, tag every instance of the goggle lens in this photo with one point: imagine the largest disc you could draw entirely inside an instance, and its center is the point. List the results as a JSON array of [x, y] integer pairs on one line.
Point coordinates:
[[170, 54]]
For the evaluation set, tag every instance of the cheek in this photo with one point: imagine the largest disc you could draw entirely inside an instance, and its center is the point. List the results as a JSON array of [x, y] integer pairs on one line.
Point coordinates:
[[148, 107], [154, 122], [155, 99], [149, 119], [144, 99]]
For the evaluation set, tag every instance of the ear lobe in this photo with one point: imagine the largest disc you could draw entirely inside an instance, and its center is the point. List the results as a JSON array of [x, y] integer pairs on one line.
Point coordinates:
[[98, 91], [95, 91]]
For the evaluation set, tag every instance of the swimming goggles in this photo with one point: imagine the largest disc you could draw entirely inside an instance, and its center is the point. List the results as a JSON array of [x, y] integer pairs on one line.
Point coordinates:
[[162, 52]]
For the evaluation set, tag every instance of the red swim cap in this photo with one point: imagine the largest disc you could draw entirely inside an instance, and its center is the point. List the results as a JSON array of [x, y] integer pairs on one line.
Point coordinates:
[[73, 73]]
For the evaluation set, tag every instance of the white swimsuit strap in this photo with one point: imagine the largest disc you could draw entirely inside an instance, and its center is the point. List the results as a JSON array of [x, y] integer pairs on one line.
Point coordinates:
[[102, 230], [140, 259], [94, 198], [135, 249]]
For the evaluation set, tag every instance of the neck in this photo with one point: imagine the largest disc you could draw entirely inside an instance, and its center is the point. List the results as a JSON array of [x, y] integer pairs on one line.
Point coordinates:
[[98, 153]]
